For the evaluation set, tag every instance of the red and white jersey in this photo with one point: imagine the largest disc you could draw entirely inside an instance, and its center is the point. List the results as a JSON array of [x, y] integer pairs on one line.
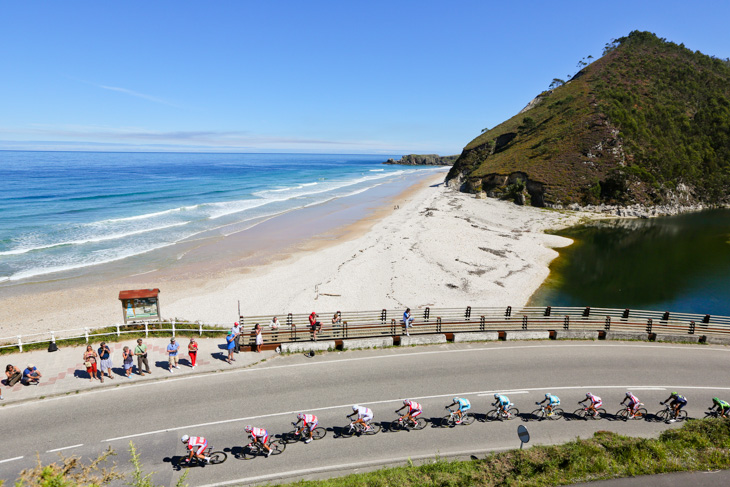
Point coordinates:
[[363, 412], [310, 419], [594, 399], [633, 399], [195, 441], [259, 432], [414, 406]]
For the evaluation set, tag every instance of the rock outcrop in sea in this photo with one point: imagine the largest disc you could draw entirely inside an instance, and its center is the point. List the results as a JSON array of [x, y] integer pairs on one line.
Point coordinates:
[[424, 160]]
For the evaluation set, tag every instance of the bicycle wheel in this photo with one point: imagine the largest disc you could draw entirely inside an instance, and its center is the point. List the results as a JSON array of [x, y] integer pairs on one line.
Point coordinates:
[[557, 413], [467, 419], [395, 426], [513, 413], [277, 447], [249, 452], [420, 424], [494, 415], [663, 415], [217, 457], [447, 421], [622, 414], [681, 415], [599, 414], [347, 431], [537, 415], [319, 433], [641, 413], [580, 413], [374, 429]]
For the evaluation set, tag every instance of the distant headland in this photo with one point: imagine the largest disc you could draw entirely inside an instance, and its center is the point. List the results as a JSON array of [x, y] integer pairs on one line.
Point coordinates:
[[424, 160]]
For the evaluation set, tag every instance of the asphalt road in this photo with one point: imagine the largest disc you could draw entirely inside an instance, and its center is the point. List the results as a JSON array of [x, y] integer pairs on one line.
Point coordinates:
[[218, 405]]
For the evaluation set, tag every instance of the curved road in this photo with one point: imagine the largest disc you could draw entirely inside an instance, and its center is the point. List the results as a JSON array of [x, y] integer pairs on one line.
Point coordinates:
[[218, 405]]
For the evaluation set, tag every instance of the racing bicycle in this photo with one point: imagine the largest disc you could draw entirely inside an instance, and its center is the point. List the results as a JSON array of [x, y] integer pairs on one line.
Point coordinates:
[[451, 419], [500, 415], [216, 457], [545, 413], [584, 413], [404, 423], [355, 428], [255, 449], [667, 414], [627, 413], [317, 434]]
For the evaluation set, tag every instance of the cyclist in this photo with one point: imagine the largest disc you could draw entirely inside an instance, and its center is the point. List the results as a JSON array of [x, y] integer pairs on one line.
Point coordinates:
[[259, 436], [722, 406], [464, 406], [414, 410], [633, 405], [595, 403], [678, 402], [310, 422], [194, 443], [552, 402], [502, 403], [364, 416]]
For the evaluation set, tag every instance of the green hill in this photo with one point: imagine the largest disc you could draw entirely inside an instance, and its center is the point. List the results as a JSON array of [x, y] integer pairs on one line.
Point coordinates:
[[647, 123]]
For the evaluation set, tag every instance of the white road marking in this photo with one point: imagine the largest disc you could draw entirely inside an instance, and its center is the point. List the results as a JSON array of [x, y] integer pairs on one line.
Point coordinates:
[[65, 448], [420, 398], [250, 369], [10, 459], [350, 466]]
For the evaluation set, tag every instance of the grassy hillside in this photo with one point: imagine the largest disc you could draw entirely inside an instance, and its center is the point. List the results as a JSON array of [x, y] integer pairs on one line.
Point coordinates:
[[649, 122]]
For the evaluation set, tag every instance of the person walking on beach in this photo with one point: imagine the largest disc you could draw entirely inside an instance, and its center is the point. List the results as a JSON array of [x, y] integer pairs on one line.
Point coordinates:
[[407, 320], [237, 329], [193, 352], [105, 361], [90, 357], [128, 360], [141, 352], [314, 325], [259, 338], [230, 345], [172, 349]]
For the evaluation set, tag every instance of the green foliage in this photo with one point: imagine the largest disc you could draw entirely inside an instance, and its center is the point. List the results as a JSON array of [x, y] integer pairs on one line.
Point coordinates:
[[698, 445], [528, 124]]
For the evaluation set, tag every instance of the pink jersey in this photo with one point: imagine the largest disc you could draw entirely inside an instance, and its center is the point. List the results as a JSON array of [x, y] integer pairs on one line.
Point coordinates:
[[259, 432], [633, 399], [414, 406], [595, 400], [196, 441]]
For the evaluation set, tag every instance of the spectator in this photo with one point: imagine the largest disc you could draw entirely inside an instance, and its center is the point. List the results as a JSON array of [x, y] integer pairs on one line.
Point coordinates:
[[13, 375], [314, 325], [128, 357], [90, 357], [337, 318], [141, 352], [31, 375], [259, 338], [105, 360], [274, 325], [172, 349], [230, 344], [193, 352], [236, 330], [407, 320]]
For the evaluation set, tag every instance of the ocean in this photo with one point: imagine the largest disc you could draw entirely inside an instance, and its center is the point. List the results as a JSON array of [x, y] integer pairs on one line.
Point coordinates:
[[65, 211]]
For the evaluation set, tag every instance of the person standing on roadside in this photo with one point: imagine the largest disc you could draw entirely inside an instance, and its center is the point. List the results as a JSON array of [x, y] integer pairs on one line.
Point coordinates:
[[259, 338], [128, 362], [172, 349], [90, 357], [105, 360], [230, 345], [193, 352], [236, 330], [407, 320], [141, 352], [314, 325]]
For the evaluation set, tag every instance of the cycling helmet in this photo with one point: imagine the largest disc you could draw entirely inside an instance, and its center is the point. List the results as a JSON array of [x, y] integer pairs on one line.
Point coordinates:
[[300, 416], [628, 394], [547, 395], [588, 394], [185, 438], [673, 394], [407, 402], [496, 395], [456, 399], [716, 400], [248, 428], [355, 407]]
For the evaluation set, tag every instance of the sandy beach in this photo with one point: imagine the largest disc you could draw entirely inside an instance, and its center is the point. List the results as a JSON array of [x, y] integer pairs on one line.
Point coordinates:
[[428, 245]]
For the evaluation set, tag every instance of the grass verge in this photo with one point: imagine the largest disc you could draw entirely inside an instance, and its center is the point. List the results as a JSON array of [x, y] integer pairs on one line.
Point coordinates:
[[697, 445]]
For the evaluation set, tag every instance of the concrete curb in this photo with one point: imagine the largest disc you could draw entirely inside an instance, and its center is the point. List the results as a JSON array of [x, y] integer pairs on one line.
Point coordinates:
[[406, 341], [297, 347], [359, 343], [477, 336], [526, 335]]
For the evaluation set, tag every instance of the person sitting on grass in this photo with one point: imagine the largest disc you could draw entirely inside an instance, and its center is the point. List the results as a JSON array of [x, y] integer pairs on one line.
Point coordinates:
[[31, 375]]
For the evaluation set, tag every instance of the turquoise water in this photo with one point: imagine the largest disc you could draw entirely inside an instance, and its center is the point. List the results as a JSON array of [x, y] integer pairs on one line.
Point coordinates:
[[71, 210], [679, 263]]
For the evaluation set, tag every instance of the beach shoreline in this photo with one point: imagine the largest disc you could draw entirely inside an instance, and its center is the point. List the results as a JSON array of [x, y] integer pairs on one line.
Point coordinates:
[[418, 245]]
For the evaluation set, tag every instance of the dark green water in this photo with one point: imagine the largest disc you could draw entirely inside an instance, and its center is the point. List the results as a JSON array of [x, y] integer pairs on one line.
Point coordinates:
[[679, 264]]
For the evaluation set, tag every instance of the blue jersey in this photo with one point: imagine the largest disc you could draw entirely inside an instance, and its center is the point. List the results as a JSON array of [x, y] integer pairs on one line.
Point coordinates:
[[502, 400], [464, 404], [680, 399], [552, 400]]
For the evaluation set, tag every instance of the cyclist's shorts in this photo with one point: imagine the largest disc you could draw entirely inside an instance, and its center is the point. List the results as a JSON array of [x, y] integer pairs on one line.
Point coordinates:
[[263, 439], [367, 417], [202, 448], [633, 404], [415, 413], [597, 404], [681, 404], [312, 425]]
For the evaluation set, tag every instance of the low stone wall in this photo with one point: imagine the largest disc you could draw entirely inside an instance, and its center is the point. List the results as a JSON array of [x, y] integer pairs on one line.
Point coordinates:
[[356, 343], [526, 335], [476, 336], [406, 341], [296, 347]]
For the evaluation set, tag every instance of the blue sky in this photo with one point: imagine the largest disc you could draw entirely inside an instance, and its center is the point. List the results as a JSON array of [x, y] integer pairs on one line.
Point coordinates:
[[305, 76]]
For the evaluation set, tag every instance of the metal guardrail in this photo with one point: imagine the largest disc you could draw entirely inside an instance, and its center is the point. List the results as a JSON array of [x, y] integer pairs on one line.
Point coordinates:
[[385, 322]]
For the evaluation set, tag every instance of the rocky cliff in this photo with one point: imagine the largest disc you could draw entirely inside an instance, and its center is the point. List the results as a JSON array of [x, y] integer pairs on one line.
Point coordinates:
[[424, 160]]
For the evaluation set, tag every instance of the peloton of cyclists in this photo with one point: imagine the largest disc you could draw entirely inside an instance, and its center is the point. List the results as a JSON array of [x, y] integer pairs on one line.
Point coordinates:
[[633, 403], [464, 406], [414, 410], [723, 407], [364, 416], [310, 422], [197, 446], [678, 402], [552, 400], [259, 436], [502, 403], [595, 403]]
